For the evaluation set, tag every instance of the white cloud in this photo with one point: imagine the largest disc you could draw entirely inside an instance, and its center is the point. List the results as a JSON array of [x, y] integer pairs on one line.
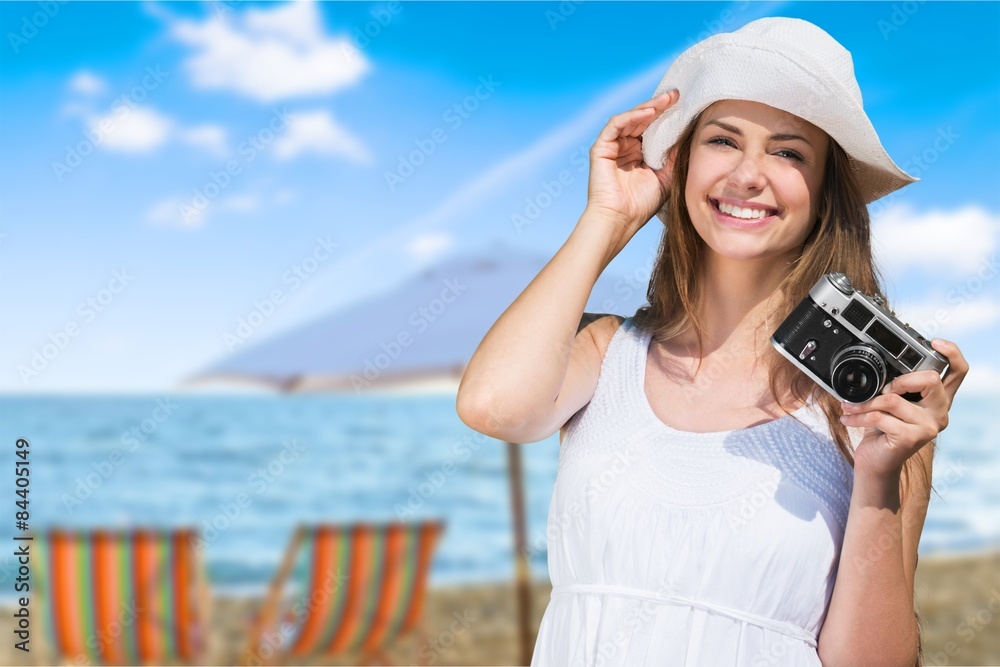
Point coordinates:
[[167, 213], [130, 128], [144, 129], [956, 241], [284, 196], [430, 244], [975, 315], [210, 137], [181, 212], [952, 315], [245, 203], [269, 54], [87, 83], [317, 132], [138, 131], [982, 379]]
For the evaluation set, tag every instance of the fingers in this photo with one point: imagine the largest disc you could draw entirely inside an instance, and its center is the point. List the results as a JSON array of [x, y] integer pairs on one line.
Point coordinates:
[[893, 403], [896, 417], [883, 421], [959, 367], [893, 415], [661, 101], [634, 122], [926, 383]]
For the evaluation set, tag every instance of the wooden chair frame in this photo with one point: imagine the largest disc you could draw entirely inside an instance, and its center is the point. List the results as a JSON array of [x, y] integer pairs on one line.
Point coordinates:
[[268, 616]]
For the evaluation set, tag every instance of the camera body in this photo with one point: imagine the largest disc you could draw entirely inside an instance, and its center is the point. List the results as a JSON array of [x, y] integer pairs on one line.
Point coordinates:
[[850, 343]]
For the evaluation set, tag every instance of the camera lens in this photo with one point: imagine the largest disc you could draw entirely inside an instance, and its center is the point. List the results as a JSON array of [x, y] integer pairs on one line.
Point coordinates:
[[858, 373]]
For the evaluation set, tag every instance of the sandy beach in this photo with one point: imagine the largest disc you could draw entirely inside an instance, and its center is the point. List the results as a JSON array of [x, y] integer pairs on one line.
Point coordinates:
[[959, 601], [958, 597]]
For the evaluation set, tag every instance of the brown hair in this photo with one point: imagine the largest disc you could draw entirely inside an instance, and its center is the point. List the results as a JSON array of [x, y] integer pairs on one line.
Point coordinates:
[[839, 241]]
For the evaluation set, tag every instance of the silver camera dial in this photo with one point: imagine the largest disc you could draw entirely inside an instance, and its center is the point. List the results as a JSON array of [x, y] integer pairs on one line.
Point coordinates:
[[841, 282]]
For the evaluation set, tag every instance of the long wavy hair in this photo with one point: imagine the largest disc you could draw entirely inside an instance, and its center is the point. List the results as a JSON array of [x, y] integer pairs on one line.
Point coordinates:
[[840, 241]]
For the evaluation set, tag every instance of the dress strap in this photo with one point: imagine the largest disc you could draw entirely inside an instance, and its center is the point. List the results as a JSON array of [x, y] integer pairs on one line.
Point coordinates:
[[789, 629]]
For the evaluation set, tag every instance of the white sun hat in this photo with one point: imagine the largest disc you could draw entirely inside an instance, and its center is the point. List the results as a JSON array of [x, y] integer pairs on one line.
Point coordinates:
[[786, 63]]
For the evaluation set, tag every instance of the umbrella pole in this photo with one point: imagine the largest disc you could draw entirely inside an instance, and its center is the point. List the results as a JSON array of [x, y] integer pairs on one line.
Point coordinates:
[[523, 568]]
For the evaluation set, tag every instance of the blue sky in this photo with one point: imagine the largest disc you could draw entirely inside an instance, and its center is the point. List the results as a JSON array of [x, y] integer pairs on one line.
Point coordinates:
[[177, 162]]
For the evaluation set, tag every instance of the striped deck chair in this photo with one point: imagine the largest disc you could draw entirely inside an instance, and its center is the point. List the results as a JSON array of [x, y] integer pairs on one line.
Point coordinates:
[[361, 588], [121, 597]]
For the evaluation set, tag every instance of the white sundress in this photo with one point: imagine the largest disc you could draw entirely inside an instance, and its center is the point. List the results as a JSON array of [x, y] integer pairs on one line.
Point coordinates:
[[681, 549]]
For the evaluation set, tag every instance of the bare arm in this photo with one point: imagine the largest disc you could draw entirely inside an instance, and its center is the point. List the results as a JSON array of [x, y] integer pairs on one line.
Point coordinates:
[[870, 620], [535, 367], [511, 387], [871, 612]]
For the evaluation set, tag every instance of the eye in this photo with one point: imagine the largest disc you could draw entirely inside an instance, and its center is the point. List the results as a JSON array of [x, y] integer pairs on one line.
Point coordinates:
[[722, 141], [791, 154]]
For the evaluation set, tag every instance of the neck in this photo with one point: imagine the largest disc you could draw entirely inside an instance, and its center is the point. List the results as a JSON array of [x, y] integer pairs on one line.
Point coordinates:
[[734, 295]]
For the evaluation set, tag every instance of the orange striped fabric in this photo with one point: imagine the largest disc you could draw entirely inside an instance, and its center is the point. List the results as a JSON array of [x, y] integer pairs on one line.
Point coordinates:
[[119, 597], [363, 587]]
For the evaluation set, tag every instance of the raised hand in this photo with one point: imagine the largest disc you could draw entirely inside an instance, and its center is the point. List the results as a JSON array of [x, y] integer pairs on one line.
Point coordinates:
[[622, 187]]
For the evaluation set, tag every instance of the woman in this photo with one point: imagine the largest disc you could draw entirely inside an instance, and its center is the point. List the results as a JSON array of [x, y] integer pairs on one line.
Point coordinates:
[[711, 507]]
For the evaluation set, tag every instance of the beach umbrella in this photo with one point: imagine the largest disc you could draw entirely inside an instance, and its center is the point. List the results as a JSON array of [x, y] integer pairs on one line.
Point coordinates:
[[416, 337]]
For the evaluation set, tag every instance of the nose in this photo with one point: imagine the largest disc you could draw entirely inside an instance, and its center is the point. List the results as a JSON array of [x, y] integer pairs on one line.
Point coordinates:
[[747, 174]]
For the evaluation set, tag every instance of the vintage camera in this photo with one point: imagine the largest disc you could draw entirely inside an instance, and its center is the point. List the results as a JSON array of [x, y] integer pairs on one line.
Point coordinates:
[[850, 343]]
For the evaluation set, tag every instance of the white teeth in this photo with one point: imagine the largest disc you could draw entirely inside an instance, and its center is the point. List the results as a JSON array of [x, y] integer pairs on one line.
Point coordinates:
[[745, 213]]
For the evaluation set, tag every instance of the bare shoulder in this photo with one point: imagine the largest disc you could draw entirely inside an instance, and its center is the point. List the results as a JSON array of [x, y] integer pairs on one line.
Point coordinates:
[[601, 327]]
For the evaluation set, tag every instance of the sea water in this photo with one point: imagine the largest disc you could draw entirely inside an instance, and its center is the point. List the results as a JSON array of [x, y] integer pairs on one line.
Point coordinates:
[[245, 470]]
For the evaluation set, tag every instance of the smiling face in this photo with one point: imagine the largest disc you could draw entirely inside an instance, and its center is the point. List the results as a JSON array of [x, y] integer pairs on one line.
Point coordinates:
[[754, 180]]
